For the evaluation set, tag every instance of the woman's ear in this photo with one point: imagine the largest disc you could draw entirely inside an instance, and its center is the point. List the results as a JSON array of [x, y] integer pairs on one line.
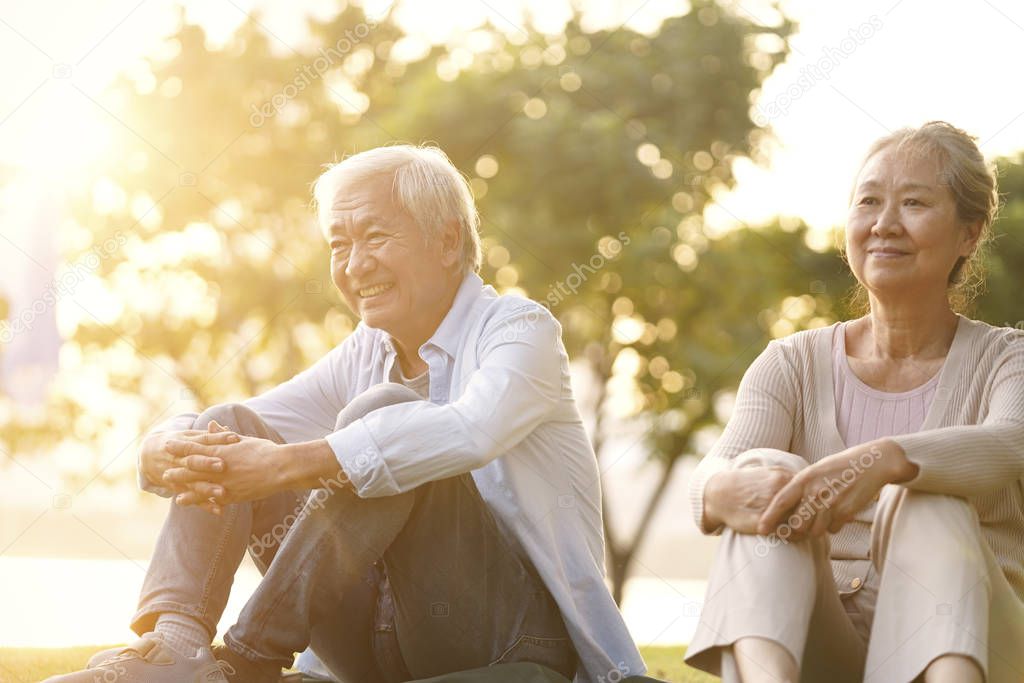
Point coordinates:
[[969, 237]]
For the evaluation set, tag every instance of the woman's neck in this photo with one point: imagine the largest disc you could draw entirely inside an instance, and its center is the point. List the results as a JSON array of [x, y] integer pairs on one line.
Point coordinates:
[[909, 329]]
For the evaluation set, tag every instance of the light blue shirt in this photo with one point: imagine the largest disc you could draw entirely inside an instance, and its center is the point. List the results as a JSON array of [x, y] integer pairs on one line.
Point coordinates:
[[501, 407]]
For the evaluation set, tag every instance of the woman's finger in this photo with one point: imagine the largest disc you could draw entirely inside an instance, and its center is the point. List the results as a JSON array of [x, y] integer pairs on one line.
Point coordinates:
[[837, 523], [822, 521], [782, 503]]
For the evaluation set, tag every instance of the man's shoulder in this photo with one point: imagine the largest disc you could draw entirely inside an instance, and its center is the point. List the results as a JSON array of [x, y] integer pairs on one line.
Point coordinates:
[[363, 339], [502, 306], [515, 311]]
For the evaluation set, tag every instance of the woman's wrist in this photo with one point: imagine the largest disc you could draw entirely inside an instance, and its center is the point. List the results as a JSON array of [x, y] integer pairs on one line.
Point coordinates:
[[899, 469], [712, 498]]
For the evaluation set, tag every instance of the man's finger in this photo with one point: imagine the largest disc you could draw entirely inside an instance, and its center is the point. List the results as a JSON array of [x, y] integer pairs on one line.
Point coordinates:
[[207, 490], [215, 438], [186, 447], [193, 498], [203, 463], [183, 476], [188, 497]]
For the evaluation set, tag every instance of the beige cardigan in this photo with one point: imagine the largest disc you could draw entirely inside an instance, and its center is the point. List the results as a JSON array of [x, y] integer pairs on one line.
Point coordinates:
[[970, 445]]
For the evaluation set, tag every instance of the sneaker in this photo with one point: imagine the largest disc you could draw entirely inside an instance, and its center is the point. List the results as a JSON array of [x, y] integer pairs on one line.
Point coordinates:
[[148, 660], [238, 669], [104, 655]]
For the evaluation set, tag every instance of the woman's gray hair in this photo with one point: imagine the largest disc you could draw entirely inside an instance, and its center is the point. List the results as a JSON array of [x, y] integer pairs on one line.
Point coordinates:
[[972, 184], [426, 186]]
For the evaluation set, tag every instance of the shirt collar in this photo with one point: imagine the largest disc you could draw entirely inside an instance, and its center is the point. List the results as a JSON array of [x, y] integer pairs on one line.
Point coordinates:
[[447, 335]]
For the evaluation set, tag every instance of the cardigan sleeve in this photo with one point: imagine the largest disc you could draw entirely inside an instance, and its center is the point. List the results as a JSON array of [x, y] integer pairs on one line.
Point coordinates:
[[968, 460], [763, 417]]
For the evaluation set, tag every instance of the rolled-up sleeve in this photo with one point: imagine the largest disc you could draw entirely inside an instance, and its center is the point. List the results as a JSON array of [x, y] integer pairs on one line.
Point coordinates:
[[515, 388]]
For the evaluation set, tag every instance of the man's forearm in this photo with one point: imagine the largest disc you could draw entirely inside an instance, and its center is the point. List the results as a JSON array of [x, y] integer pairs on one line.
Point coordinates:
[[309, 465]]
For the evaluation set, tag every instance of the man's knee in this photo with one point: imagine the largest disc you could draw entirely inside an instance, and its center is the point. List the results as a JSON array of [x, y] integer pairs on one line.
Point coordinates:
[[234, 416], [374, 398], [769, 457]]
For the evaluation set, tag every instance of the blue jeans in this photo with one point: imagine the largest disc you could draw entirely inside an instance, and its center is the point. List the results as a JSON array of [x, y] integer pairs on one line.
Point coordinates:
[[384, 589]]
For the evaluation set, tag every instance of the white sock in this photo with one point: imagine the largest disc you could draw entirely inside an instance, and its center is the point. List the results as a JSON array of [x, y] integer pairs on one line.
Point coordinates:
[[182, 633]]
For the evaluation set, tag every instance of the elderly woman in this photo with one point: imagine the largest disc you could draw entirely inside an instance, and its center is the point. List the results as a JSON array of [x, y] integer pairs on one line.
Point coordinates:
[[869, 486]]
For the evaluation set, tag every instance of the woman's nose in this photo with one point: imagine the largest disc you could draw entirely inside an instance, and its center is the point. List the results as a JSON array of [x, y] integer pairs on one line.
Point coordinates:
[[887, 221]]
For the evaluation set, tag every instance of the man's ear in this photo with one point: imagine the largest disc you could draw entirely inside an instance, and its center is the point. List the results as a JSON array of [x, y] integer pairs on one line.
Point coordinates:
[[451, 243]]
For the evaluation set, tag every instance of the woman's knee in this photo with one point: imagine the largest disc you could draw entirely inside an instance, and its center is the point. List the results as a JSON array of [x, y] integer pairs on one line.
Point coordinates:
[[905, 518], [374, 398], [769, 457]]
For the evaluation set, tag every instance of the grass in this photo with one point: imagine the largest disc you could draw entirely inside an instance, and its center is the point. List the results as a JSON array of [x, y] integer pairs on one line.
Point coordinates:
[[26, 665]]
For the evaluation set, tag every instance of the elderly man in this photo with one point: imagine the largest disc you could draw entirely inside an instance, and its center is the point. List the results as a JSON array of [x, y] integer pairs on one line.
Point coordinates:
[[422, 500]]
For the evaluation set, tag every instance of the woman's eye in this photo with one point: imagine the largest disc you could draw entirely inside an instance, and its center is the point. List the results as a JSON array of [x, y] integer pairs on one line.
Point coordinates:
[[867, 200], [912, 202]]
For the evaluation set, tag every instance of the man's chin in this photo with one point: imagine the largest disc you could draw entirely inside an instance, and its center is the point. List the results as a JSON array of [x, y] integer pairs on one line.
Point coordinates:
[[377, 319]]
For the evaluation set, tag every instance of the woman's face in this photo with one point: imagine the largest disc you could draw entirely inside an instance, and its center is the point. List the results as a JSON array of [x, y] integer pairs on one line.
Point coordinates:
[[903, 236]]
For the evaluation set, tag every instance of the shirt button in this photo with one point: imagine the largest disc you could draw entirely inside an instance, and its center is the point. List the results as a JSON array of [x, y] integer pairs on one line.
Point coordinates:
[[855, 583]]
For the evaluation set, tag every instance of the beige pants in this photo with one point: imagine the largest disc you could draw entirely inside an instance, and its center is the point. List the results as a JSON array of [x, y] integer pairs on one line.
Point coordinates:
[[937, 589]]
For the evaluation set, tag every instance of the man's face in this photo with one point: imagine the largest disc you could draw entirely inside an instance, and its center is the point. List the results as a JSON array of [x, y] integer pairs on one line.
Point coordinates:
[[386, 271]]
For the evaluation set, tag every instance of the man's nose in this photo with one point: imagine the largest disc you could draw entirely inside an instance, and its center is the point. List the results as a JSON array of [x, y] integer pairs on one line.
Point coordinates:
[[360, 261]]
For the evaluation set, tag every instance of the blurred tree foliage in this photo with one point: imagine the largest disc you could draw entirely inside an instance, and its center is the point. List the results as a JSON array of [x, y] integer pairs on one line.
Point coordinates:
[[593, 156]]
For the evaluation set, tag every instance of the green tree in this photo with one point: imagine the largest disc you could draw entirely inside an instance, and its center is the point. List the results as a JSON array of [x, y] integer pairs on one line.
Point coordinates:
[[592, 155]]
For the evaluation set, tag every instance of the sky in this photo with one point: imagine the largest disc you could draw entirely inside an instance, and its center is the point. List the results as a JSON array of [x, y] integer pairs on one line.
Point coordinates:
[[855, 72]]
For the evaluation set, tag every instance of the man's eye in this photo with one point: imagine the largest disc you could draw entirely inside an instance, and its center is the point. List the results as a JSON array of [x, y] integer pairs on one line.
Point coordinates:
[[867, 200], [912, 202]]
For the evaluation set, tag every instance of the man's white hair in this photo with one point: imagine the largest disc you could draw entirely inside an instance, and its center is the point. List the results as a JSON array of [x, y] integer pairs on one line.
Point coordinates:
[[425, 185]]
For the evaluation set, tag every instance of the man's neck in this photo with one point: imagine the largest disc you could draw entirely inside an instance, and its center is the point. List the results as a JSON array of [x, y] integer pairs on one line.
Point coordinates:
[[408, 340]]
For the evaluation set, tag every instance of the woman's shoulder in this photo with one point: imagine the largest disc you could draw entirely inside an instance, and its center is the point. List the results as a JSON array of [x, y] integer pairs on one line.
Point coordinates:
[[987, 343], [802, 345], [795, 355]]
